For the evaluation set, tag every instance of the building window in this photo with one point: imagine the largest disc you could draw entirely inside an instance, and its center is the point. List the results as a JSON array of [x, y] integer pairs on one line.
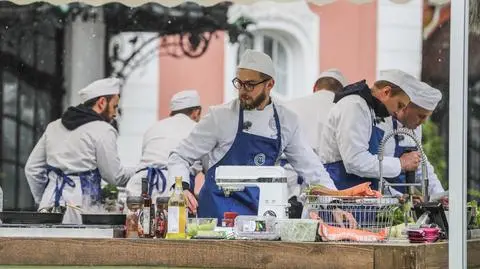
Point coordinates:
[[275, 48], [30, 97]]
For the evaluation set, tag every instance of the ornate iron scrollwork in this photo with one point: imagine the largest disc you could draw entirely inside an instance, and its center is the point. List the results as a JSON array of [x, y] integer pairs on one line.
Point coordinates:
[[182, 31]]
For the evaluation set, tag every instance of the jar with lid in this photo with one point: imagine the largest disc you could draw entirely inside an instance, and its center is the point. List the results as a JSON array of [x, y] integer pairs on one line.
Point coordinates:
[[133, 226], [229, 219], [161, 217]]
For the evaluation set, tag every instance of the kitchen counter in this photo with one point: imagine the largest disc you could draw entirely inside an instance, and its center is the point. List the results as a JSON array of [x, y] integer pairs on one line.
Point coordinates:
[[226, 253]]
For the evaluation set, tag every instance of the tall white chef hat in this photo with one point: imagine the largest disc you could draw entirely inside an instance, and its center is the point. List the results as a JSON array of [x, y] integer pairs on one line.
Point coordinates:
[[257, 61], [101, 87], [184, 99], [334, 73], [425, 96], [403, 80]]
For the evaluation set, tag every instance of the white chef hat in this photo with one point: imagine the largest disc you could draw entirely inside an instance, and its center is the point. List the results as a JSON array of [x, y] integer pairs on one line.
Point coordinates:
[[257, 61], [102, 87], [334, 73], [425, 96], [403, 80], [184, 99]]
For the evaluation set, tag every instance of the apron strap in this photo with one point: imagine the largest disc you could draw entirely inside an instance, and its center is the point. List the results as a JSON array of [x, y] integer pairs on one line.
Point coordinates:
[[395, 126], [153, 175], [65, 181], [279, 130]]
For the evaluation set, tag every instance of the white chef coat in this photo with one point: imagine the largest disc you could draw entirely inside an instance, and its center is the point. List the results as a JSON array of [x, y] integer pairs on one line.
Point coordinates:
[[345, 137], [312, 112], [159, 140], [434, 184], [214, 135], [88, 147]]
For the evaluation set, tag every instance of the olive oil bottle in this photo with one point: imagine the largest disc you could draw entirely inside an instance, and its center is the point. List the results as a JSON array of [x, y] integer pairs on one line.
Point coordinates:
[[177, 212]]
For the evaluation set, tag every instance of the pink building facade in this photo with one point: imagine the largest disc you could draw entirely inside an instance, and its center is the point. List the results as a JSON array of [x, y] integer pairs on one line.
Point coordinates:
[[303, 40], [345, 39]]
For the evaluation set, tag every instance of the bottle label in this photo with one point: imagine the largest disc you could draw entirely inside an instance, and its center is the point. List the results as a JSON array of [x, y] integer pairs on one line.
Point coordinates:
[[173, 219], [146, 220]]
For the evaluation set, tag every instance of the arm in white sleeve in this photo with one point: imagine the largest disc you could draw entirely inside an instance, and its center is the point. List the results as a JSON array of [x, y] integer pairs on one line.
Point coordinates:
[[201, 141], [196, 168], [108, 161], [35, 169], [434, 184], [305, 162], [353, 136]]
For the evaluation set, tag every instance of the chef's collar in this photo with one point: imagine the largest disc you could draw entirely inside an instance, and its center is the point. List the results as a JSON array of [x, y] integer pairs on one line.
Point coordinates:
[[361, 88]]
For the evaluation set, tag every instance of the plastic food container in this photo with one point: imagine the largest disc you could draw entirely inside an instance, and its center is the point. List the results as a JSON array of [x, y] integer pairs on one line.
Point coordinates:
[[196, 225], [254, 227], [298, 230]]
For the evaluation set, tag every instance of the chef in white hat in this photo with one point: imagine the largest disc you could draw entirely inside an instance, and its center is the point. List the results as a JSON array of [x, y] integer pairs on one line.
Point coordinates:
[[424, 100], [161, 139], [351, 136], [77, 151], [312, 111], [251, 130]]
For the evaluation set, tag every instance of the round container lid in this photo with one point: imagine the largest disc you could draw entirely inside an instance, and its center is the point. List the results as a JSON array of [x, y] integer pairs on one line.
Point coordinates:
[[162, 200], [134, 200]]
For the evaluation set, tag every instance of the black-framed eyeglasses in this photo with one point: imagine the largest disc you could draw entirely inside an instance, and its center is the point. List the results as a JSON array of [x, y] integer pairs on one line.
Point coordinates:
[[248, 86]]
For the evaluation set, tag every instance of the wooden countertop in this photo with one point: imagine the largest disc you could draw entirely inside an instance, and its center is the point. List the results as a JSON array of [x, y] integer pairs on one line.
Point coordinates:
[[226, 253]]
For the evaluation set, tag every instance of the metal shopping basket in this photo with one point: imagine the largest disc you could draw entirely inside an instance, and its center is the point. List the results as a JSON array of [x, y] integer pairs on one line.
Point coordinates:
[[355, 219]]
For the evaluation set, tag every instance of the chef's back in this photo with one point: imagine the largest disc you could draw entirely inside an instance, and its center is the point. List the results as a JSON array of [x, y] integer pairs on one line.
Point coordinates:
[[76, 152]]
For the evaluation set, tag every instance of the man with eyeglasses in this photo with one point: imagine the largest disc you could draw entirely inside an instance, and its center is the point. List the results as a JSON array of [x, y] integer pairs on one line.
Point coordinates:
[[250, 130]]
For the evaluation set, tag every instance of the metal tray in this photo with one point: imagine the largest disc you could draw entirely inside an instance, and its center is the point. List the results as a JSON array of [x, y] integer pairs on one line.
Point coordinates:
[[104, 219], [29, 217]]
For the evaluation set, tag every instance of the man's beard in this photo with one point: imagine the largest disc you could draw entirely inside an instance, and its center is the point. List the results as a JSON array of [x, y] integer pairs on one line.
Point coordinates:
[[254, 103], [106, 115]]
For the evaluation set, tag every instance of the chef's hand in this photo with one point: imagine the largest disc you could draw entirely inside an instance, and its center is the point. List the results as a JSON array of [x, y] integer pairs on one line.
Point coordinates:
[[444, 201], [410, 161], [191, 201]]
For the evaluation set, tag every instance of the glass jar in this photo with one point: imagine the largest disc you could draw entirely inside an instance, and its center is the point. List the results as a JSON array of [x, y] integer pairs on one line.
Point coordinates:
[[161, 217], [229, 219], [134, 209]]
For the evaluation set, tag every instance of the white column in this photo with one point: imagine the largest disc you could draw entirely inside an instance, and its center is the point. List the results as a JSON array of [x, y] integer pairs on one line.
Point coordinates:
[[457, 158], [84, 56], [139, 101], [399, 36]]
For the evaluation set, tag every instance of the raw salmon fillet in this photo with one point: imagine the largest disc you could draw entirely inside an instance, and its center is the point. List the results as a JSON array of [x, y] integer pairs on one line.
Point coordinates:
[[331, 233], [362, 190]]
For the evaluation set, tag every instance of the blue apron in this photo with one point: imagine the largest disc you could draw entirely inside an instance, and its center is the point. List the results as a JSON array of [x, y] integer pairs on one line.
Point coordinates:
[[90, 183], [247, 149], [337, 171]]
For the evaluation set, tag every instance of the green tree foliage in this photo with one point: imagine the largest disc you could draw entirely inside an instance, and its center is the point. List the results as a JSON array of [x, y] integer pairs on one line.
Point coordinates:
[[434, 149]]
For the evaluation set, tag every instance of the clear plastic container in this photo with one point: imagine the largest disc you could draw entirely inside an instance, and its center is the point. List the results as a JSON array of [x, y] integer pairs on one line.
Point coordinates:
[[195, 225], [256, 228], [298, 230]]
